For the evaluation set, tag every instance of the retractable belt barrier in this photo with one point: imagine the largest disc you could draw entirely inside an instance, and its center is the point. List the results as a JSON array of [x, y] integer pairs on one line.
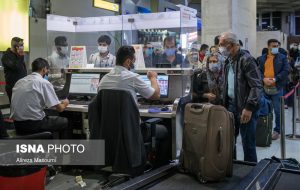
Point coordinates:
[[282, 120]]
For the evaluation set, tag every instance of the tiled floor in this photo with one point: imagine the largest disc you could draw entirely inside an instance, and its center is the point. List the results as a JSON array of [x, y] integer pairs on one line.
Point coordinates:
[[292, 146]]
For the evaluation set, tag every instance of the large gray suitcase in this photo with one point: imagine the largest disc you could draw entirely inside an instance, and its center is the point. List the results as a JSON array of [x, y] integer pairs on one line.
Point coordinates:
[[208, 141]]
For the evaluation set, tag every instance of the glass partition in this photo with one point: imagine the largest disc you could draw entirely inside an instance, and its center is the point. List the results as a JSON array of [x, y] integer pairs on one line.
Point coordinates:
[[74, 42], [162, 42]]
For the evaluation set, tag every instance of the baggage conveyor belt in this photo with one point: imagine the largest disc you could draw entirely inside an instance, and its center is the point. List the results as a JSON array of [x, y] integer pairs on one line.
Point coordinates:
[[168, 177]]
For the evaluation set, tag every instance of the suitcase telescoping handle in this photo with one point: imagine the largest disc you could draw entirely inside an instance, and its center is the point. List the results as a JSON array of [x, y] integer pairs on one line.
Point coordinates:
[[220, 134], [197, 108]]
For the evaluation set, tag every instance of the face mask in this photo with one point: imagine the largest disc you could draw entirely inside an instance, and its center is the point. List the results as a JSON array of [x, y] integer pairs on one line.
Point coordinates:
[[214, 67], [224, 51], [131, 66], [102, 49], [274, 50], [170, 51], [207, 53], [149, 51], [64, 50], [46, 77]]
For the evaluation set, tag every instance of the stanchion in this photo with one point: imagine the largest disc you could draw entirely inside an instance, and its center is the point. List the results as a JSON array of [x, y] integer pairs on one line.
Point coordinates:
[[294, 135], [282, 128]]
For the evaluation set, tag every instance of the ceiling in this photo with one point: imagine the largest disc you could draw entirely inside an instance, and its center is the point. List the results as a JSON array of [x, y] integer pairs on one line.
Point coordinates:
[[267, 5]]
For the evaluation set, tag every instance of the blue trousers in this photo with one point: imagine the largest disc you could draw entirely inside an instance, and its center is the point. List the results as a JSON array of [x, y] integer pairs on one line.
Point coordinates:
[[248, 134], [275, 100]]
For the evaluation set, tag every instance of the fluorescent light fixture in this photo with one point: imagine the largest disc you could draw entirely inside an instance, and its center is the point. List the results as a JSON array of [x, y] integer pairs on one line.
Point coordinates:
[[106, 5], [14, 21]]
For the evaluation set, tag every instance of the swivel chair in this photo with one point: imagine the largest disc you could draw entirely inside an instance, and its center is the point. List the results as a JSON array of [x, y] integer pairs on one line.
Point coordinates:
[[114, 117]]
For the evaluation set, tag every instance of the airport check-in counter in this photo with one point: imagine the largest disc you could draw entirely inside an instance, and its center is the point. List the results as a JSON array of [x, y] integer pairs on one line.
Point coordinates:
[[178, 94]]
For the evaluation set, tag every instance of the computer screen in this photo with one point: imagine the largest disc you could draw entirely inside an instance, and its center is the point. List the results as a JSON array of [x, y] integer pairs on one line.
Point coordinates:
[[84, 84], [163, 82]]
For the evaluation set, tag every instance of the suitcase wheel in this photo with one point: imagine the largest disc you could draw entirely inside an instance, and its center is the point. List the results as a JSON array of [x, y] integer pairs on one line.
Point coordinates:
[[201, 179]]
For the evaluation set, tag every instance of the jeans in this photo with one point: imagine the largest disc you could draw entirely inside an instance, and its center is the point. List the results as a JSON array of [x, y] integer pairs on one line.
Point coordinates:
[[248, 133], [275, 100]]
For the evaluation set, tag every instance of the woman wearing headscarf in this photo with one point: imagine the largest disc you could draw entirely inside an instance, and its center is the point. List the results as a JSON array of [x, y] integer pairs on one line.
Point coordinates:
[[208, 84]]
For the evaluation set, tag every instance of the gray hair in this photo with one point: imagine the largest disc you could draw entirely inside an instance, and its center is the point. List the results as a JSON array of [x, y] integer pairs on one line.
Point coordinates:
[[230, 37], [218, 56]]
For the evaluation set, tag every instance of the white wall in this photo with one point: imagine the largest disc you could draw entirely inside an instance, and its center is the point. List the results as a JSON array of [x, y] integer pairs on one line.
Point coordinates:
[[231, 15], [244, 22], [264, 36], [216, 18], [37, 39]]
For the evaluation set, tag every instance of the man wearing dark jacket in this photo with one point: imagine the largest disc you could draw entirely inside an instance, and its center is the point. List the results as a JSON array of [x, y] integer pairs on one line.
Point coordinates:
[[14, 65], [242, 91], [274, 71]]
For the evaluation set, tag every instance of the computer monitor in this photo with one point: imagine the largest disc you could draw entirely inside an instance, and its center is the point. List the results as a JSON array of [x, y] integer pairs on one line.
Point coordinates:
[[163, 82], [85, 84]]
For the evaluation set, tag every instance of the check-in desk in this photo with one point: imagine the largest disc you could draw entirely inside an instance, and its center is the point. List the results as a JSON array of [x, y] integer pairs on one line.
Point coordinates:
[[179, 86]]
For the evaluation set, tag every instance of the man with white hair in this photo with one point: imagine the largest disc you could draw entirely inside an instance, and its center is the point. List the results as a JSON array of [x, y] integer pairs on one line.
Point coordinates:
[[242, 92]]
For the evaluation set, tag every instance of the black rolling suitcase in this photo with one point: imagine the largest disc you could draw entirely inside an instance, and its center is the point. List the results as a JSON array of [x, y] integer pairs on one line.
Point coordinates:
[[264, 124]]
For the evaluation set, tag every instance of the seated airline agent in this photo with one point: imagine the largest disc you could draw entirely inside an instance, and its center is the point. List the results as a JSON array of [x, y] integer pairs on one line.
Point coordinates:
[[120, 77], [31, 95], [103, 58]]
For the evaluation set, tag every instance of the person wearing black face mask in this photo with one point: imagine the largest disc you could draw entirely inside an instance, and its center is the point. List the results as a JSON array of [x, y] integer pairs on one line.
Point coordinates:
[[31, 95], [121, 76], [208, 84], [14, 65]]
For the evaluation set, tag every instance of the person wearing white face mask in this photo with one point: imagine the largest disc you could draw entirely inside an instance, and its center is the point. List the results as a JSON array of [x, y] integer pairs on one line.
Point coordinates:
[[208, 85], [242, 91], [58, 60], [103, 58]]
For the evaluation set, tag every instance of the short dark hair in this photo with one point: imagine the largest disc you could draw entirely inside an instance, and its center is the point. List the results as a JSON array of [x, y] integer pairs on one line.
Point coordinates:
[[272, 41], [241, 43], [217, 40], [124, 52], [38, 64], [104, 38], [204, 47], [169, 39], [264, 51], [15, 41], [60, 41]]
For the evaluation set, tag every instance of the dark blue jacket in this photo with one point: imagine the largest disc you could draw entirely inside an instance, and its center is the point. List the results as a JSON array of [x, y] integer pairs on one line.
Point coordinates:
[[281, 68]]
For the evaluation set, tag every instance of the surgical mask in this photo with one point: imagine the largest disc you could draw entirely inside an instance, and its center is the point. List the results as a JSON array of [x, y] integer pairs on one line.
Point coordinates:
[[149, 52], [132, 66], [274, 50], [214, 67], [207, 53], [64, 50], [46, 76], [170, 51], [224, 51], [102, 49]]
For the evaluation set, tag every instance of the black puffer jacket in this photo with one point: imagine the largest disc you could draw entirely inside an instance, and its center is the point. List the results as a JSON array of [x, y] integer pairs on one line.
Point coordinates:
[[14, 68], [248, 83]]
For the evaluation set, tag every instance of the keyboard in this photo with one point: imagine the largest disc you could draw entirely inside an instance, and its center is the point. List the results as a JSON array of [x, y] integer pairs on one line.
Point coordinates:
[[80, 102], [147, 106]]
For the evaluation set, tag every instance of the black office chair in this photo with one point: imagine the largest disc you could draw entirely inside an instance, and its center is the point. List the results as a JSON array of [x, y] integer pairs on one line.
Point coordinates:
[[4, 135], [114, 117]]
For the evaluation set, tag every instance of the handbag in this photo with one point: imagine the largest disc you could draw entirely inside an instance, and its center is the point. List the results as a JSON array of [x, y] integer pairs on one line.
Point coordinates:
[[271, 90]]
